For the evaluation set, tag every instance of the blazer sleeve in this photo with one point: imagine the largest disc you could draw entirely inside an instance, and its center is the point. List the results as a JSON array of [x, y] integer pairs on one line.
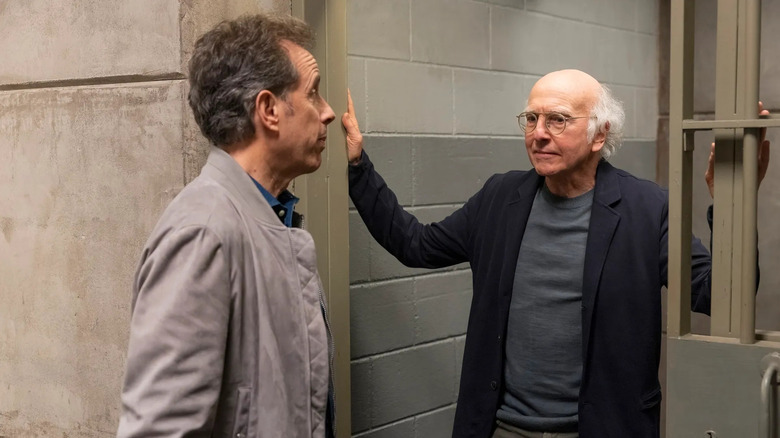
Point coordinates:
[[701, 275], [701, 270], [178, 334], [701, 266], [435, 245]]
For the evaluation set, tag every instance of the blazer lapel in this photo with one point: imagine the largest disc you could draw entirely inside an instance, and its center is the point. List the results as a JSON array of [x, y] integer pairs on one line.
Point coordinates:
[[603, 223]]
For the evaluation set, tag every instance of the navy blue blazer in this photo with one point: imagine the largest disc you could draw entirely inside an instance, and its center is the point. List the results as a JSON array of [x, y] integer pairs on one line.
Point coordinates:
[[625, 268]]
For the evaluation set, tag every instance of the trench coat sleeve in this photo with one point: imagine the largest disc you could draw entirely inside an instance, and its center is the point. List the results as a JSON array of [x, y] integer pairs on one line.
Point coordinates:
[[178, 335]]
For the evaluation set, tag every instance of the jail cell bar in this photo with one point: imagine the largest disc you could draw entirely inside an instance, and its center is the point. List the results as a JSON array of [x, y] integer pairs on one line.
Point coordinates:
[[715, 386]]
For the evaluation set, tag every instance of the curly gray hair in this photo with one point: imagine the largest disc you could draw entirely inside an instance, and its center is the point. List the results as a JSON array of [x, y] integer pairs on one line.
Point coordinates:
[[232, 63], [607, 116]]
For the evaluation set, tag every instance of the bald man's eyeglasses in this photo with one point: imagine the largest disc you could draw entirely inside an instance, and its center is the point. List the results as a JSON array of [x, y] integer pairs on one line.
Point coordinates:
[[555, 122]]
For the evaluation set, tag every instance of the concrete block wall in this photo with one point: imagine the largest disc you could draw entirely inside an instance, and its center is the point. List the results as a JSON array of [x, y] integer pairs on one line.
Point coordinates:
[[97, 138], [437, 85]]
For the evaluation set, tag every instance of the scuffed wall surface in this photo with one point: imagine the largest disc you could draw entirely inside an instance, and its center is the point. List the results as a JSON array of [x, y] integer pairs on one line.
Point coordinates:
[[42, 40], [86, 169]]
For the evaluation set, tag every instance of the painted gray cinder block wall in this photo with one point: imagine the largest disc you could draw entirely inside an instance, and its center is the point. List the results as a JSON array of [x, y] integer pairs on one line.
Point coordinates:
[[97, 138], [436, 85]]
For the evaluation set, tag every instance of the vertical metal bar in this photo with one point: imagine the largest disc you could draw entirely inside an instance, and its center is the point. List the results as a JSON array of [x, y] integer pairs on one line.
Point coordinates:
[[297, 8], [680, 168], [750, 173], [338, 203], [724, 276], [326, 191], [735, 156]]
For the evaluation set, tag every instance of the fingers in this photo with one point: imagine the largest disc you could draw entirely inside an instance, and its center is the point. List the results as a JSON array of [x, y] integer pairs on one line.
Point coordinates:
[[349, 120], [709, 174], [354, 137], [350, 106], [710, 162], [763, 156]]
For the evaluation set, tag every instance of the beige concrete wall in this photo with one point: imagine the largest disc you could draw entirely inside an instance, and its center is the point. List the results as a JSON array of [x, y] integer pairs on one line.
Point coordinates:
[[43, 40], [96, 139]]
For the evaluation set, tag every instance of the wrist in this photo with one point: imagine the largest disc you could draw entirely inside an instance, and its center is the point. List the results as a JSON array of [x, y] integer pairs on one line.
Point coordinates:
[[357, 160]]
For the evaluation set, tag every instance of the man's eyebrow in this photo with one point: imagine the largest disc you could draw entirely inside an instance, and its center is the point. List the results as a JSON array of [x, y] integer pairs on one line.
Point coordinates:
[[563, 111], [316, 81]]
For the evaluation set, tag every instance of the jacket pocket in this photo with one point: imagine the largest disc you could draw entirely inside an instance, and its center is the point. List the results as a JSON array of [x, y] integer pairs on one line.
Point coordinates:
[[651, 398], [243, 408]]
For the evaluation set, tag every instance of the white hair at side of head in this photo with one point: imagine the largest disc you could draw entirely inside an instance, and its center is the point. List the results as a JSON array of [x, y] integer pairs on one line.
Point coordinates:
[[607, 116]]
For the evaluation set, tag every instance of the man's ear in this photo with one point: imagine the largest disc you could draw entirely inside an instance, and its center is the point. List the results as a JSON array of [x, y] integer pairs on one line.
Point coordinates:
[[599, 139], [267, 110]]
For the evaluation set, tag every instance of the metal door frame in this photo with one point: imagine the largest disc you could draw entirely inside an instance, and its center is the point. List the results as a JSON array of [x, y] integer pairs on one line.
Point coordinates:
[[324, 193], [736, 127]]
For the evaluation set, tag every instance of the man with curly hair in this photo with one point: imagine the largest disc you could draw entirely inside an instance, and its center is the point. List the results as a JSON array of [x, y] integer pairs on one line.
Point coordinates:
[[229, 334]]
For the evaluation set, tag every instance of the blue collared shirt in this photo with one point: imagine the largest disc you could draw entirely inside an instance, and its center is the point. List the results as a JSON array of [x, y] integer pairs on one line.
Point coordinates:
[[283, 205]]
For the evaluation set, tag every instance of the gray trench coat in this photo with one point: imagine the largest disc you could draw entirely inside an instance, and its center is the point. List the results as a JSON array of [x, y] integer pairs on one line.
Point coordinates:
[[227, 336]]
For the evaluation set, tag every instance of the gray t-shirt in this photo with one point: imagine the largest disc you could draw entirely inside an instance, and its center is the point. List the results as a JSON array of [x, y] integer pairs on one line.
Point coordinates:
[[543, 366]]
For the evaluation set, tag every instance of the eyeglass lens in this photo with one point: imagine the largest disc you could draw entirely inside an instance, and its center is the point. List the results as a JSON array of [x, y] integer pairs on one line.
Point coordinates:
[[555, 122]]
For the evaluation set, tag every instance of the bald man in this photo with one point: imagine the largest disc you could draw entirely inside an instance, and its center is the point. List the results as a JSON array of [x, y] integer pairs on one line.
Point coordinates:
[[568, 261]]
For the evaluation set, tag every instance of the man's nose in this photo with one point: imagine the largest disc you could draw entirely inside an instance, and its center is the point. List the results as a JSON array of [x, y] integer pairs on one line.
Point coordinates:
[[327, 115], [540, 130]]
